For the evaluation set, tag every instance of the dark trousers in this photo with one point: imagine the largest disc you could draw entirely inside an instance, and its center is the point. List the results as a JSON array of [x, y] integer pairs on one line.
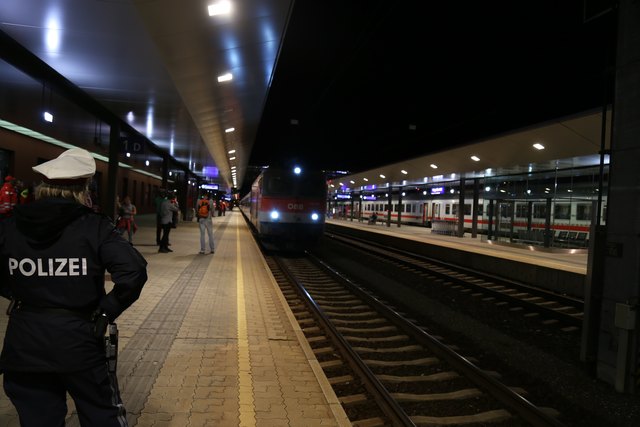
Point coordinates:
[[164, 241], [40, 398], [158, 230]]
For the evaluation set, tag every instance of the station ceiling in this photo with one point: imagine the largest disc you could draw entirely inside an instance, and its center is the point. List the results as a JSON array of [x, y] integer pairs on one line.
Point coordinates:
[[340, 85]]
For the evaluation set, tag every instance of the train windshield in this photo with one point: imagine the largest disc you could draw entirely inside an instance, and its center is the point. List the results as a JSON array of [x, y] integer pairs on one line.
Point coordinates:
[[307, 185]]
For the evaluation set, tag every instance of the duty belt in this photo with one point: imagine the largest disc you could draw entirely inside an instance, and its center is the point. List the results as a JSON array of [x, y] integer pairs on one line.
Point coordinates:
[[21, 306]]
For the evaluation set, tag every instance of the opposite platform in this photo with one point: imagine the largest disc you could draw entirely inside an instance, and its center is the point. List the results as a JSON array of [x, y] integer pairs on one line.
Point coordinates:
[[211, 341]]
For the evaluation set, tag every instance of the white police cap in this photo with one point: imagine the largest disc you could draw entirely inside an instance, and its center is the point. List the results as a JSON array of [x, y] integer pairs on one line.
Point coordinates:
[[73, 164]]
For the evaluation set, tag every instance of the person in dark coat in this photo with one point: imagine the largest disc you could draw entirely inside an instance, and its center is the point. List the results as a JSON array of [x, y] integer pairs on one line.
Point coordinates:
[[54, 253]]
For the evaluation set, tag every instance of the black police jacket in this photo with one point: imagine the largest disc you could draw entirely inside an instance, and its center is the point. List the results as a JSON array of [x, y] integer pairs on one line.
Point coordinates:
[[53, 258]]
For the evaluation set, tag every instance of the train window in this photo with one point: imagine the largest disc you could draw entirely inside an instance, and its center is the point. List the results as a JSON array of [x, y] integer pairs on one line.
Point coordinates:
[[467, 209], [312, 185], [562, 211], [583, 211], [522, 210], [454, 209], [539, 210], [447, 209]]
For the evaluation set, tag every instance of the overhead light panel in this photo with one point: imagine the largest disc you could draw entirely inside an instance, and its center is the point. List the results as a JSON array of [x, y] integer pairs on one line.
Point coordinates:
[[475, 158], [225, 78], [229, 130], [221, 7], [538, 146]]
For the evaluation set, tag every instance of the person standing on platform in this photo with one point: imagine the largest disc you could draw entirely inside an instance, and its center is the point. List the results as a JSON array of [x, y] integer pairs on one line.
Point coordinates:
[[54, 253], [126, 223], [161, 197], [205, 222], [8, 197], [167, 212]]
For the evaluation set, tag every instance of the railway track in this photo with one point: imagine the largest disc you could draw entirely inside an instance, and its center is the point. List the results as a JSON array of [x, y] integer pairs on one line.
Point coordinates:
[[551, 307], [385, 369]]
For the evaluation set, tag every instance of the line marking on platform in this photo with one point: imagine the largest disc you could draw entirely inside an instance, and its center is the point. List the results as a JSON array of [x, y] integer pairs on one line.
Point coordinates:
[[245, 380]]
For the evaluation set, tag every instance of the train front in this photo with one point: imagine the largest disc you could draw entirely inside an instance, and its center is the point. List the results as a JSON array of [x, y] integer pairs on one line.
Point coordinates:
[[292, 207]]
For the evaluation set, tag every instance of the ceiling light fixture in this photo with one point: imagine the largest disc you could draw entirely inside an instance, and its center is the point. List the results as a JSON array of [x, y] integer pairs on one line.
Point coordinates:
[[229, 130], [538, 146], [434, 166], [220, 8], [225, 77], [475, 158]]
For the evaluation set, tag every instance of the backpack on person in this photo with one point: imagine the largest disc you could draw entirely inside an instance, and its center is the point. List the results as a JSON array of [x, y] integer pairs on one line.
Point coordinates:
[[203, 208]]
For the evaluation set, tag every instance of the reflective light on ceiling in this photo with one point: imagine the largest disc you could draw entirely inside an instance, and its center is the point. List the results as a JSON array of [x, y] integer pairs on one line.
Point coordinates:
[[222, 7], [229, 130], [130, 116], [52, 33], [225, 77], [538, 146], [150, 123]]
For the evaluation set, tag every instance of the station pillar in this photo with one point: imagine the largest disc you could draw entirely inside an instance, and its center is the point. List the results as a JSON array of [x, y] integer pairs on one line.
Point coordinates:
[[618, 355]]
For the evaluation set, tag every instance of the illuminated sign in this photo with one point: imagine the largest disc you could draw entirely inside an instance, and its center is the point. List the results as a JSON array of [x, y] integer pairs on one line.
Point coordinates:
[[436, 190], [210, 171], [369, 198], [209, 186], [342, 196], [370, 187]]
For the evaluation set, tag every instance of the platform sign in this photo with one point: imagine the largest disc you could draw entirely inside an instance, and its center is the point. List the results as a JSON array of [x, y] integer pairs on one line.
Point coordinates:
[[436, 190], [132, 144]]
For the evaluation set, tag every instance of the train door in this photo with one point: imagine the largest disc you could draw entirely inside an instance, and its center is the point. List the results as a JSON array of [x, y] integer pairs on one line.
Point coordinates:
[[435, 210], [425, 214], [504, 219]]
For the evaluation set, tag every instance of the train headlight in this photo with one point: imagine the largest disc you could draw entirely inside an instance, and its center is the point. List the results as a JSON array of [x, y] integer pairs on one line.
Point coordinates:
[[315, 216], [274, 215]]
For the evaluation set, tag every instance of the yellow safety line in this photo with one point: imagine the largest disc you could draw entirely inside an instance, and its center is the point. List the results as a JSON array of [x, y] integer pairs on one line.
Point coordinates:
[[245, 381]]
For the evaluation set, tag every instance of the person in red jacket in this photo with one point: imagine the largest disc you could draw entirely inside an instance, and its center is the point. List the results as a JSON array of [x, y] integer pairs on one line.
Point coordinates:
[[8, 197]]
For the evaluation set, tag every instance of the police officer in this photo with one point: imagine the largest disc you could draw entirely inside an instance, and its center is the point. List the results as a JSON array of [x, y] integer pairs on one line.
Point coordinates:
[[53, 256]]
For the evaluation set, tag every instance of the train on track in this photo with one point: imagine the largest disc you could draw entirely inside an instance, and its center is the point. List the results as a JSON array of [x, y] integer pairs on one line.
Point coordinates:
[[563, 218], [287, 208]]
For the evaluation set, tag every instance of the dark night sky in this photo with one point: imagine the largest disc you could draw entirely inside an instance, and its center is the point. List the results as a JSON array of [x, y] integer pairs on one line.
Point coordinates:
[[356, 75]]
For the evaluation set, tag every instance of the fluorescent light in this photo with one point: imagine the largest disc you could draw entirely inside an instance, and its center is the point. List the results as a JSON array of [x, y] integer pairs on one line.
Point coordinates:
[[229, 130], [538, 146], [475, 158], [225, 77], [231, 151], [48, 117], [220, 8], [434, 166], [404, 171], [232, 158], [382, 176]]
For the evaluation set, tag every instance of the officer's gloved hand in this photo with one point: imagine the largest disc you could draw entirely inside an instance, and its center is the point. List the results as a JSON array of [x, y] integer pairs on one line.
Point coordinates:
[[100, 324]]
